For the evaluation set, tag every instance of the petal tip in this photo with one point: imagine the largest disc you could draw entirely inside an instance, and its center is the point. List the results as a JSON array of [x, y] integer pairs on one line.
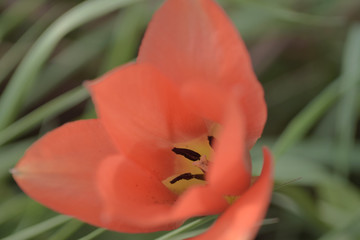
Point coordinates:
[[89, 85], [14, 172]]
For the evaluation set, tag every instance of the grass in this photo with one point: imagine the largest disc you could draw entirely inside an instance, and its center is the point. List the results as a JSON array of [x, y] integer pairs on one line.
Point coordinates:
[[305, 53]]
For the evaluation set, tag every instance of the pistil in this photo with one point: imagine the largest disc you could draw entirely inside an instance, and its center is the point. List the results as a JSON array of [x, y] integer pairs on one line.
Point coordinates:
[[203, 163]]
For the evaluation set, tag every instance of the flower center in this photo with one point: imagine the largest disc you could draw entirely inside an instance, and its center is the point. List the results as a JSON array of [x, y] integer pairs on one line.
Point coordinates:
[[191, 164]]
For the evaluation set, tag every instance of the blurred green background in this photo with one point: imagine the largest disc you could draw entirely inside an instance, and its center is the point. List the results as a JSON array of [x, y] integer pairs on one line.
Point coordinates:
[[306, 53]]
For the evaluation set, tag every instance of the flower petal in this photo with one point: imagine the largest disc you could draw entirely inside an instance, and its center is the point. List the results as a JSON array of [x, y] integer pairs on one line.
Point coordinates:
[[59, 170], [242, 220], [207, 99], [141, 109], [195, 41], [132, 194], [210, 101], [198, 201], [191, 40], [230, 171]]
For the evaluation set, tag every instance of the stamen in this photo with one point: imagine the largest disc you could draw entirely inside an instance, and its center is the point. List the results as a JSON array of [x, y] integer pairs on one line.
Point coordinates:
[[188, 176], [189, 154]]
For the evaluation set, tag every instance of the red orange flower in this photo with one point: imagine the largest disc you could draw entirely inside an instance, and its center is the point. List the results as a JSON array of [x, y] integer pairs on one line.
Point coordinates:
[[172, 138]]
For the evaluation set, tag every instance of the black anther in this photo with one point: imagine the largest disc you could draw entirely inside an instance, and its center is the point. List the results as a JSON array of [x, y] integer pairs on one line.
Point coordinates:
[[189, 154], [188, 176]]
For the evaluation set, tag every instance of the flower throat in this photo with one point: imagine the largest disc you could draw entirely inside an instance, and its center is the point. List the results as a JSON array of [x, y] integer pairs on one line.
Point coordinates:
[[191, 164]]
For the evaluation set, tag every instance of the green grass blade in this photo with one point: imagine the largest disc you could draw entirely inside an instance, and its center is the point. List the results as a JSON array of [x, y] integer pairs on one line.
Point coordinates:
[[293, 16], [189, 234], [68, 61], [50, 109], [301, 124], [348, 230], [193, 233], [127, 31], [67, 230], [347, 108], [298, 202], [12, 57], [24, 77], [16, 14], [39, 228], [187, 227], [12, 207], [93, 234]]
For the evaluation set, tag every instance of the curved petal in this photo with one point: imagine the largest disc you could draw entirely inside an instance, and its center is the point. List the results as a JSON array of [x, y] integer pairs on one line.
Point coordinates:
[[207, 99], [199, 201], [59, 170], [210, 101], [141, 109], [134, 195], [191, 40], [195, 41], [230, 171], [243, 219]]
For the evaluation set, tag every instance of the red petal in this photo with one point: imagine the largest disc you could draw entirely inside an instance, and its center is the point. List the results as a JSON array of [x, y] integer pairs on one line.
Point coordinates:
[[143, 112], [194, 40], [190, 40], [198, 201], [211, 101], [59, 170], [230, 171], [133, 194], [243, 219], [207, 99]]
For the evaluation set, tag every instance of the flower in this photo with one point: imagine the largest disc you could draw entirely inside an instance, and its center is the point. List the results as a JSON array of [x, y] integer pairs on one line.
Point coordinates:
[[172, 139]]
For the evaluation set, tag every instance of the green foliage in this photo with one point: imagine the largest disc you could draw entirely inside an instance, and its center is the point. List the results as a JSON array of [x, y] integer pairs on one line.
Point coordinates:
[[306, 53]]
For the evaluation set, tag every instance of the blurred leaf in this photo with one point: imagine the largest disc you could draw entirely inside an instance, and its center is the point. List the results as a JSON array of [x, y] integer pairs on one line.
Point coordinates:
[[197, 231], [10, 154], [38, 228], [33, 213], [25, 75], [89, 112], [293, 167], [322, 151], [68, 61], [346, 230], [173, 235], [93, 234], [304, 120], [11, 58], [66, 230], [300, 203], [347, 114], [292, 16], [16, 14], [12, 207], [340, 196], [126, 36], [49, 109], [303, 40], [301, 124]]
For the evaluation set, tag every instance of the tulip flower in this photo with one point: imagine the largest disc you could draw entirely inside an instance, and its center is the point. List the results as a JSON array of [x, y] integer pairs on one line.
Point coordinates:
[[172, 139]]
